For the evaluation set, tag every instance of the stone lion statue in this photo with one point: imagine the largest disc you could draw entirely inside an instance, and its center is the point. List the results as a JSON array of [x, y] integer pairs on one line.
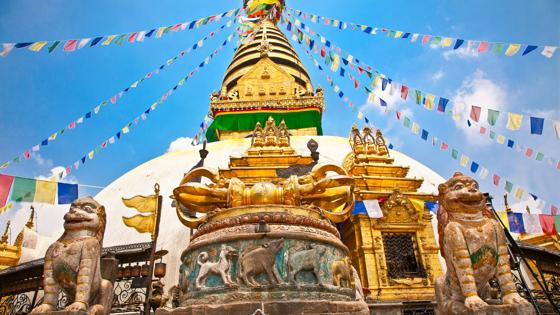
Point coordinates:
[[72, 263], [473, 245]]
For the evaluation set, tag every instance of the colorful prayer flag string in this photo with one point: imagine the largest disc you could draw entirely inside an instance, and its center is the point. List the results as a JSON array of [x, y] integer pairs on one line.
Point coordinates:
[[144, 115], [71, 45], [514, 120], [113, 99], [472, 46]]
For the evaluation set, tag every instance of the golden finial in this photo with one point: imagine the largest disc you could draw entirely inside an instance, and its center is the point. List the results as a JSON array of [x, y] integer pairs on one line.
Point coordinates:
[[29, 223], [506, 204], [528, 209], [4, 239]]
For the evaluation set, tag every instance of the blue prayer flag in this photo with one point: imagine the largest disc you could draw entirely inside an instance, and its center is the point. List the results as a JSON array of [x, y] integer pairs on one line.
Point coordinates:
[[432, 206], [510, 143], [474, 167], [469, 122], [391, 146], [22, 45], [529, 49], [359, 208], [442, 104], [342, 71], [368, 30], [383, 84], [150, 33], [405, 35], [67, 193], [289, 26], [367, 120], [537, 125], [83, 160], [458, 43], [45, 142], [383, 103], [515, 220], [424, 134], [88, 115], [95, 41]]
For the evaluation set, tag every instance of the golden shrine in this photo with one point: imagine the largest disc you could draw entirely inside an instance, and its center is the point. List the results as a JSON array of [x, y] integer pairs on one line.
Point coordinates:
[[10, 254]]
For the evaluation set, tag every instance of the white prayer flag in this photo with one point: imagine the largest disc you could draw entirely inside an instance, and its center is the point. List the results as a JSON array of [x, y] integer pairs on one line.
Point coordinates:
[[548, 51], [373, 209], [532, 223]]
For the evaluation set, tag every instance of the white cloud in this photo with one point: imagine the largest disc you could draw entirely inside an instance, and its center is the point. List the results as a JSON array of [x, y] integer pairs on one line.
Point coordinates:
[[437, 76], [55, 172], [461, 53], [40, 160], [477, 90], [393, 99], [180, 144]]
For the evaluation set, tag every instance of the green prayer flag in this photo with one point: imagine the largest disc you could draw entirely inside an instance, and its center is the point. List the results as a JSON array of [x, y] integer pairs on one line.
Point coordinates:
[[16, 160], [436, 40], [418, 97], [406, 122], [53, 46], [497, 48], [492, 135], [23, 190], [540, 156], [454, 154], [493, 116], [120, 39], [509, 186]]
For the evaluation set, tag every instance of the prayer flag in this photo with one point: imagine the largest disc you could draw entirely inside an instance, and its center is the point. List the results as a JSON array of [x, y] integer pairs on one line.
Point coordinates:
[[360, 115], [447, 42], [406, 122], [83, 42], [492, 116], [512, 49], [501, 139], [371, 207], [23, 189], [67, 193], [430, 101], [108, 40], [37, 46], [432, 206], [519, 192], [418, 204], [464, 160], [70, 45], [475, 113], [371, 98], [382, 102], [418, 97], [515, 220], [444, 146], [95, 41], [498, 47], [537, 125], [529, 49], [6, 49], [424, 135], [454, 154], [482, 130], [557, 129], [53, 46], [415, 128], [529, 152], [547, 224], [474, 167], [540, 156], [425, 39], [553, 210], [496, 179], [532, 223], [514, 121], [509, 186], [482, 47], [90, 155], [5, 187], [502, 215], [548, 51], [458, 43], [483, 173], [404, 92], [45, 191], [442, 104], [398, 115]]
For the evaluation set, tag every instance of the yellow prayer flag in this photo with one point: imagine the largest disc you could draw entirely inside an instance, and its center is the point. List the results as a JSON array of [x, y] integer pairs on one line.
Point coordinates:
[[501, 139], [159, 32], [335, 63], [447, 42], [512, 49], [514, 121], [37, 46], [144, 204], [418, 205], [199, 22], [519, 193], [135, 84], [464, 160], [141, 223], [45, 191], [371, 98], [53, 136], [200, 43], [375, 80], [360, 115], [108, 40], [504, 218], [398, 34], [430, 101], [415, 128], [90, 155], [125, 130]]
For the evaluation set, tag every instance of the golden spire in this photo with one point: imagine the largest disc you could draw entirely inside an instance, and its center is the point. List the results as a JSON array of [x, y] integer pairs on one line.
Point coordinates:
[[29, 223], [4, 239]]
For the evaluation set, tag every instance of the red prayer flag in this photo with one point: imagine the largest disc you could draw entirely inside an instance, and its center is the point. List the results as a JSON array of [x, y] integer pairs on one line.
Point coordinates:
[[356, 84], [547, 224], [444, 146], [176, 27], [404, 92], [70, 45], [529, 152], [475, 113], [6, 182], [323, 52], [553, 210], [496, 179], [114, 99], [68, 170], [425, 39], [132, 37], [398, 115], [27, 155], [482, 47], [482, 130]]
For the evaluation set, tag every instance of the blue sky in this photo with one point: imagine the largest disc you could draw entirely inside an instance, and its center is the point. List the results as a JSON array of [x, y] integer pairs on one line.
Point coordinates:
[[41, 93]]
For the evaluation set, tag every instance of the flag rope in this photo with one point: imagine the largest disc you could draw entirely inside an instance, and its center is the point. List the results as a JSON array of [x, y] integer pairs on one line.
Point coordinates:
[[473, 46], [26, 155], [71, 45]]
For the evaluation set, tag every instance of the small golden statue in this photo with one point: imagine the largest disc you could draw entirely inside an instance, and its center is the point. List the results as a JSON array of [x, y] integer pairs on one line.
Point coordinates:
[[270, 132], [473, 245], [314, 189]]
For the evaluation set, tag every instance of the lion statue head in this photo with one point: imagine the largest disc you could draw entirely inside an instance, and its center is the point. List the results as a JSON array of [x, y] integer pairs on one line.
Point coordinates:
[[460, 194], [86, 214]]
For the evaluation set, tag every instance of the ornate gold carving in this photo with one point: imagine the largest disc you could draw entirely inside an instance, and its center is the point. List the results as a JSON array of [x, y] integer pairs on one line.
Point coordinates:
[[398, 209]]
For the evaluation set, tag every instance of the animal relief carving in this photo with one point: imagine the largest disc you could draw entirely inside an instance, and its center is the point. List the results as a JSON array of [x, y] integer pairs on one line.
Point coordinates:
[[306, 260], [72, 263], [343, 274], [261, 260], [220, 267]]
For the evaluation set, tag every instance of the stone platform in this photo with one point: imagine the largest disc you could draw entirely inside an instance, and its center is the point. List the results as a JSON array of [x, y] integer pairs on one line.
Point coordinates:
[[273, 308]]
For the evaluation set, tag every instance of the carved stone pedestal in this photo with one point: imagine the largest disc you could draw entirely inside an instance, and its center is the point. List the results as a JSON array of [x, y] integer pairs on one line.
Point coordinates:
[[66, 313], [273, 308], [505, 310]]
